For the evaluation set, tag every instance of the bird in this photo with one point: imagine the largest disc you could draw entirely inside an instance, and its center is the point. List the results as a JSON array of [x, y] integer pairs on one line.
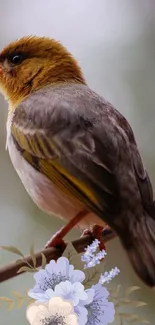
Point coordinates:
[[75, 154]]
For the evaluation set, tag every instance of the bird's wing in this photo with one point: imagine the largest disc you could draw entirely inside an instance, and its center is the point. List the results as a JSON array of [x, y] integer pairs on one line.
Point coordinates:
[[64, 139], [144, 184], [142, 178]]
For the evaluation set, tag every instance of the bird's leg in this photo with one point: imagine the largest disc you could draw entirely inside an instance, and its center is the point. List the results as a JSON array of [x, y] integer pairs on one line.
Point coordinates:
[[99, 232], [57, 239]]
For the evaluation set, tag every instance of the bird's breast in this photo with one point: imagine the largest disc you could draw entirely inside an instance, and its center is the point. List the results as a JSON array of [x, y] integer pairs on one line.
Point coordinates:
[[39, 187], [43, 192]]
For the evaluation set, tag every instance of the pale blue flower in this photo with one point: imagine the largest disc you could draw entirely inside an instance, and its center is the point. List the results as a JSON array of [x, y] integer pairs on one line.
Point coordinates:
[[54, 273], [74, 292], [82, 314], [100, 310], [81, 310], [108, 276]]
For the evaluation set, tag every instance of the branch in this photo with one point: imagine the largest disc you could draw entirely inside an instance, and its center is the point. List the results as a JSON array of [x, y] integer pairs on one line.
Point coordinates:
[[11, 270]]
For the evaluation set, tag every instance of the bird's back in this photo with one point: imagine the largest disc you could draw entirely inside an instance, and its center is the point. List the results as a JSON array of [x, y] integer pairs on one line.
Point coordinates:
[[88, 138]]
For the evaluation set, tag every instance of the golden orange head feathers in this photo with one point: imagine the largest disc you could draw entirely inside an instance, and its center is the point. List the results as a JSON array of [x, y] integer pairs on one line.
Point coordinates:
[[33, 62]]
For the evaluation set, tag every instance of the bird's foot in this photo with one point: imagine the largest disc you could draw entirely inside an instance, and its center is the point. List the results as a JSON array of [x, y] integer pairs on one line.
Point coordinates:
[[56, 241], [98, 232]]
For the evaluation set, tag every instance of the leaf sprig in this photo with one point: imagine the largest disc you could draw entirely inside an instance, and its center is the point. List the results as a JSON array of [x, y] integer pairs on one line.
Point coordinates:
[[123, 300], [92, 276], [28, 267], [16, 302]]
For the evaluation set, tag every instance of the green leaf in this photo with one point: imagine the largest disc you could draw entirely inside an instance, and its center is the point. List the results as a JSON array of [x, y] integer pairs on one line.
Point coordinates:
[[129, 290], [10, 305], [137, 304], [26, 269], [141, 321], [126, 315], [16, 294], [92, 275], [5, 299], [114, 292], [30, 301], [17, 302], [19, 261], [138, 319], [132, 303], [73, 257], [32, 254], [118, 288], [12, 249], [44, 261], [121, 321], [20, 302], [26, 291]]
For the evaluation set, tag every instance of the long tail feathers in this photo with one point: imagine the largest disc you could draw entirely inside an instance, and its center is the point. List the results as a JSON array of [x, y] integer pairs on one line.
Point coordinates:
[[141, 249]]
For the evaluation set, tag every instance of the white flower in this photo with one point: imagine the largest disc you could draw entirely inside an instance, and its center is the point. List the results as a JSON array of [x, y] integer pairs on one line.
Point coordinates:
[[108, 276], [54, 273], [89, 251], [56, 312], [89, 257]]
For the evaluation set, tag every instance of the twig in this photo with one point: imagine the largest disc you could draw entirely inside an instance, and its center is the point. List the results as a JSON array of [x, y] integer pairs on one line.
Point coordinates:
[[11, 270]]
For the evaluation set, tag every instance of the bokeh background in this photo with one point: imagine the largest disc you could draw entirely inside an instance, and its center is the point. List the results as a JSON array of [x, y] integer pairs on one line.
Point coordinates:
[[114, 42]]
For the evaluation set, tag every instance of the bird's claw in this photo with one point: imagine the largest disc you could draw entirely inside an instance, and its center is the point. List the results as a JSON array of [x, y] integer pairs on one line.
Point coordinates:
[[56, 241], [97, 233]]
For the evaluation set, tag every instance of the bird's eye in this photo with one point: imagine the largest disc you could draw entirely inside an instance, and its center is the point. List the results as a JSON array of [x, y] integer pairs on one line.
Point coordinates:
[[16, 59]]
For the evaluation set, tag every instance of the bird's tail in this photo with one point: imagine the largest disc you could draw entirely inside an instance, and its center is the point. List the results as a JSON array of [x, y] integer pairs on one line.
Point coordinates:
[[141, 248]]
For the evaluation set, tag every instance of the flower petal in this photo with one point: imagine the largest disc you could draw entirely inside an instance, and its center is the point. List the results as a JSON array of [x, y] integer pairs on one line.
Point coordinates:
[[39, 275], [50, 268], [36, 312], [50, 293], [63, 264], [100, 310], [60, 305], [90, 297], [41, 297], [109, 312], [71, 291], [63, 289], [76, 276], [82, 314], [71, 319], [79, 291], [100, 291]]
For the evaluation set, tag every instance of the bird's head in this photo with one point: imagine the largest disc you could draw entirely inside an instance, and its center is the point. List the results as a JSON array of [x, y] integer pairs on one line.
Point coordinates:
[[34, 62]]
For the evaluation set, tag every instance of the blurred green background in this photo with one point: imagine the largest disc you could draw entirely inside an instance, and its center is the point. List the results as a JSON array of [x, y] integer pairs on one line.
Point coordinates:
[[114, 42]]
